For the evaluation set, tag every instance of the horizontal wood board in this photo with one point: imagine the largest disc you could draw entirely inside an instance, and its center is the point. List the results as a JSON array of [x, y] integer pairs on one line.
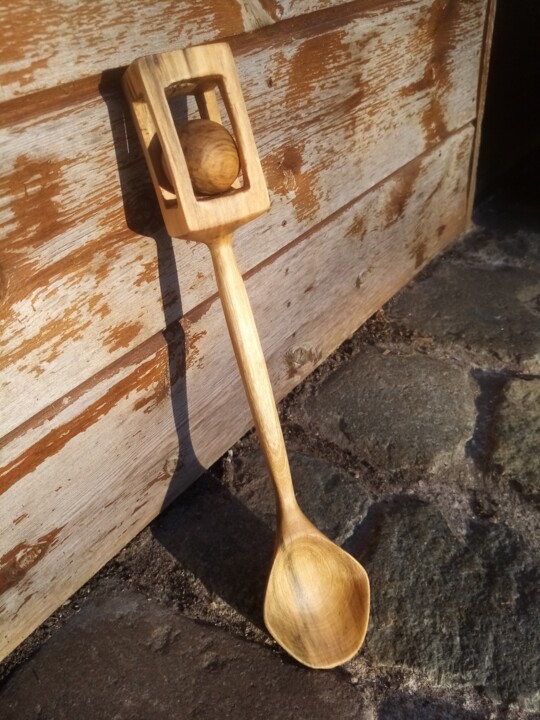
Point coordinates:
[[63, 499], [86, 271], [46, 44]]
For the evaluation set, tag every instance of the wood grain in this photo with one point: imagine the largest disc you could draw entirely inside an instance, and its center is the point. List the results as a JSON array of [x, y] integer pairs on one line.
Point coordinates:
[[78, 39], [208, 71], [87, 273], [83, 38], [211, 156], [317, 599], [147, 442]]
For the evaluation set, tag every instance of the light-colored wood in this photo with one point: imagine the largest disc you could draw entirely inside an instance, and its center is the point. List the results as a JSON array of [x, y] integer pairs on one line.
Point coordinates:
[[211, 156], [149, 82], [317, 600], [80, 288], [84, 38], [252, 366], [54, 488]]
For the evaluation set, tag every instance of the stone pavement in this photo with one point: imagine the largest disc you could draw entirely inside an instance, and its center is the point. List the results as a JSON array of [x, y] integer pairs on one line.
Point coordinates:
[[416, 447]]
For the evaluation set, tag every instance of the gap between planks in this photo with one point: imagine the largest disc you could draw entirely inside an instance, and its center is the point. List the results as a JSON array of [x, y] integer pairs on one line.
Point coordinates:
[[481, 102]]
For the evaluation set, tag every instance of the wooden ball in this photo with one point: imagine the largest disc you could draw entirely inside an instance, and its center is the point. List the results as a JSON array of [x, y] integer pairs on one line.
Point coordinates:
[[211, 156]]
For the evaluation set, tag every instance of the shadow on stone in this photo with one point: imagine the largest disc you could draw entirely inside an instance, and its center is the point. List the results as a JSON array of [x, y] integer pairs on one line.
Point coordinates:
[[364, 540], [215, 536], [481, 445], [506, 429]]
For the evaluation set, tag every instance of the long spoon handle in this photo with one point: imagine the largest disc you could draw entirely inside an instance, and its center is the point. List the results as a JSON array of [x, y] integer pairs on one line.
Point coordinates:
[[252, 365]]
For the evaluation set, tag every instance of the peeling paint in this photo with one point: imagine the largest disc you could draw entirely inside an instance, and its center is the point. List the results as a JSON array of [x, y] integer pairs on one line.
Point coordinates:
[[148, 374], [401, 190], [122, 336], [18, 561]]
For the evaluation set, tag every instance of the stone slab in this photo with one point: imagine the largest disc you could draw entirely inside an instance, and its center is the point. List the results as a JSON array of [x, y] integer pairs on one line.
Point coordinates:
[[396, 410], [127, 658], [459, 610], [334, 500], [494, 310]]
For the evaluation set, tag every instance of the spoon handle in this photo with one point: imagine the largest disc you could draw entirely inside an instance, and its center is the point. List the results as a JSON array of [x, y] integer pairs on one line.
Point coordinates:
[[252, 366]]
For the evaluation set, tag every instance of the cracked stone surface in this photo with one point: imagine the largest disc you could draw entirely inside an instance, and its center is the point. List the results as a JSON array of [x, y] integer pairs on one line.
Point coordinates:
[[416, 447]]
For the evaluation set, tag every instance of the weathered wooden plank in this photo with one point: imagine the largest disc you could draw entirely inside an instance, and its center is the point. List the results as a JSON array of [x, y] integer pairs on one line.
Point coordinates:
[[88, 276], [76, 39], [60, 499], [83, 38]]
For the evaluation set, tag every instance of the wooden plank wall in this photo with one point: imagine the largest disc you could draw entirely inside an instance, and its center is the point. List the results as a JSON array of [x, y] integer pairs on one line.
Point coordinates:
[[118, 380]]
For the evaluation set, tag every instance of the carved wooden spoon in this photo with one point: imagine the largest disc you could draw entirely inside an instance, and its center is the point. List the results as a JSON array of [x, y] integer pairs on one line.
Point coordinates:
[[317, 600]]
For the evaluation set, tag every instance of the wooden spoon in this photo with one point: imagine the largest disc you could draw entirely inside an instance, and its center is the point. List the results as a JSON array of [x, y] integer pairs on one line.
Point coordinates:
[[317, 599]]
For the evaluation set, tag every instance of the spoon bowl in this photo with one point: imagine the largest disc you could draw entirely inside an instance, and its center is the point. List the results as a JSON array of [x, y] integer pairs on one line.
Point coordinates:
[[317, 600]]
